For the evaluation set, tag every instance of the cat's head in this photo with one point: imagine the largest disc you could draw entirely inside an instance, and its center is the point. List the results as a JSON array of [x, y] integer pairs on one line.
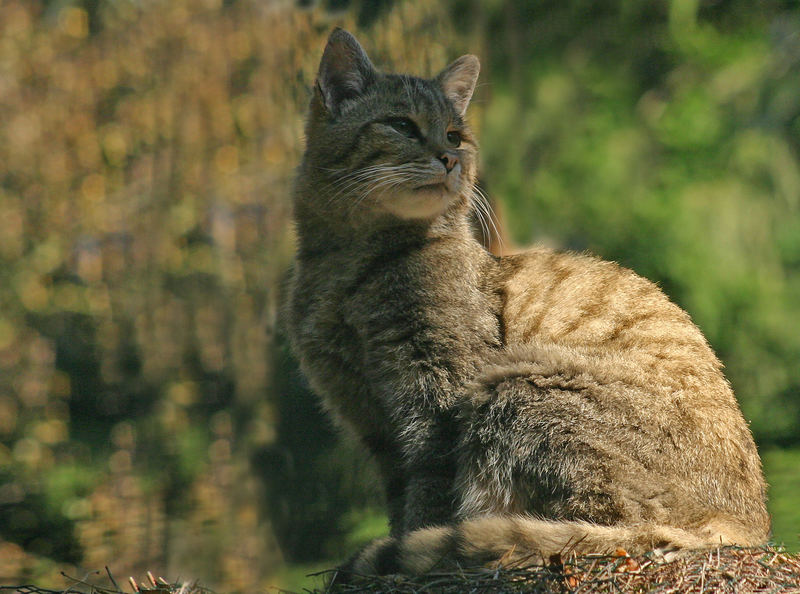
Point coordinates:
[[388, 145]]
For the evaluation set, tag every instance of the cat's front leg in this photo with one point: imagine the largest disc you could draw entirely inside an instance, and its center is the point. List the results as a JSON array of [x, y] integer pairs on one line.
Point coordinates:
[[431, 468], [389, 457]]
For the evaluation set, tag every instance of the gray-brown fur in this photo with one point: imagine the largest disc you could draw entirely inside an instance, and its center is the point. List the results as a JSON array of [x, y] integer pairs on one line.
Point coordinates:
[[535, 402]]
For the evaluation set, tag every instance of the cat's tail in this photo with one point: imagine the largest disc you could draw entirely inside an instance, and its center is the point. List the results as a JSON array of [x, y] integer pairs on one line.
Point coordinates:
[[521, 540]]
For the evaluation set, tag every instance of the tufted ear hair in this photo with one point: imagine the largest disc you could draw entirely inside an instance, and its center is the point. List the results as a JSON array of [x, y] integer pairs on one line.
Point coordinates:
[[458, 81], [344, 71]]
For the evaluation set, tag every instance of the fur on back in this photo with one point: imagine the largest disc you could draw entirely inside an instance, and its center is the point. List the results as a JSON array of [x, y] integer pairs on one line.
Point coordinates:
[[522, 405]]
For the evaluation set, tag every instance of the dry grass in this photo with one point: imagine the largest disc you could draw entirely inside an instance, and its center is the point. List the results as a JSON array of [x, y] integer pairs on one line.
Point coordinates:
[[88, 585], [728, 569]]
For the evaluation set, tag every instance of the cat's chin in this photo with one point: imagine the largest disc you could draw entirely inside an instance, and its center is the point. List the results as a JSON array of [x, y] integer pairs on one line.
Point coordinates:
[[426, 202]]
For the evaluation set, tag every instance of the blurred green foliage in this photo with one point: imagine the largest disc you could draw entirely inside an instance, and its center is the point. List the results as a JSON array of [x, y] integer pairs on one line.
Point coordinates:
[[782, 466], [150, 415]]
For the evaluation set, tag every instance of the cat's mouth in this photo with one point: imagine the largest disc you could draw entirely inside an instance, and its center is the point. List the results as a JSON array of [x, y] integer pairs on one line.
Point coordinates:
[[439, 183], [433, 187]]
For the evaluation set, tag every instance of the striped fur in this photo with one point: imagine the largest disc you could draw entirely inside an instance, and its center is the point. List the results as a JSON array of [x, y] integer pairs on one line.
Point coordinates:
[[510, 541], [517, 406]]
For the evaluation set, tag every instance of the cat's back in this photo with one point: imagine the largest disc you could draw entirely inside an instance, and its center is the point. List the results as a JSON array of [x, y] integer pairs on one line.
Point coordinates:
[[622, 321]]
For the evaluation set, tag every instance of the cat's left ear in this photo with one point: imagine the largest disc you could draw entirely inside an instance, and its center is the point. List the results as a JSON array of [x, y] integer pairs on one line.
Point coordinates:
[[345, 70], [458, 81]]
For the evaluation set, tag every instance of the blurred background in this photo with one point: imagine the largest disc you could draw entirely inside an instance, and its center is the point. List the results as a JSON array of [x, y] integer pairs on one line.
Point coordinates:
[[151, 417]]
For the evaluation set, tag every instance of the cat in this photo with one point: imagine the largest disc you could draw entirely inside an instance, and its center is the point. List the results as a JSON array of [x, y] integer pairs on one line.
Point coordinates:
[[521, 405]]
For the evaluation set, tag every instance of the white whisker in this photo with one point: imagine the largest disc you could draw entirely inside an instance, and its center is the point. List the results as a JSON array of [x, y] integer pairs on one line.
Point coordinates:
[[352, 180], [483, 209], [385, 183]]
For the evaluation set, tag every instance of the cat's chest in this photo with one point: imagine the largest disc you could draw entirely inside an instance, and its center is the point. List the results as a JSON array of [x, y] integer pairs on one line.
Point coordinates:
[[341, 303], [419, 306]]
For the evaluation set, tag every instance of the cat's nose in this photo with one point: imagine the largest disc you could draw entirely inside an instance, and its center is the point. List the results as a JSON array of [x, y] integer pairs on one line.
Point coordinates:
[[449, 160]]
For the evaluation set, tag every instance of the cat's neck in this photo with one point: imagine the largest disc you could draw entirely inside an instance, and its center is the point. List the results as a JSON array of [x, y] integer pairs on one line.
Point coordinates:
[[319, 237]]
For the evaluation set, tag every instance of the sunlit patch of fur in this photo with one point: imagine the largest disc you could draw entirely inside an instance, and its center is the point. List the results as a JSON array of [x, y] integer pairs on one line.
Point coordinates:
[[488, 493], [422, 550], [417, 204]]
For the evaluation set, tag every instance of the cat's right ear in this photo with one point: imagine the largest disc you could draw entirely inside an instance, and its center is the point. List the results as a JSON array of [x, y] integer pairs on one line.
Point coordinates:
[[458, 81], [344, 71]]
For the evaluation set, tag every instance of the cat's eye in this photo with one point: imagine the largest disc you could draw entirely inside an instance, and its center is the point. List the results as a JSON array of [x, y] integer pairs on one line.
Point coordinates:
[[405, 126], [454, 138]]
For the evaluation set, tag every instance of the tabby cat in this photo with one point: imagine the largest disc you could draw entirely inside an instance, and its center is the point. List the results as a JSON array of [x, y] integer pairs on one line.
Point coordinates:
[[528, 404]]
